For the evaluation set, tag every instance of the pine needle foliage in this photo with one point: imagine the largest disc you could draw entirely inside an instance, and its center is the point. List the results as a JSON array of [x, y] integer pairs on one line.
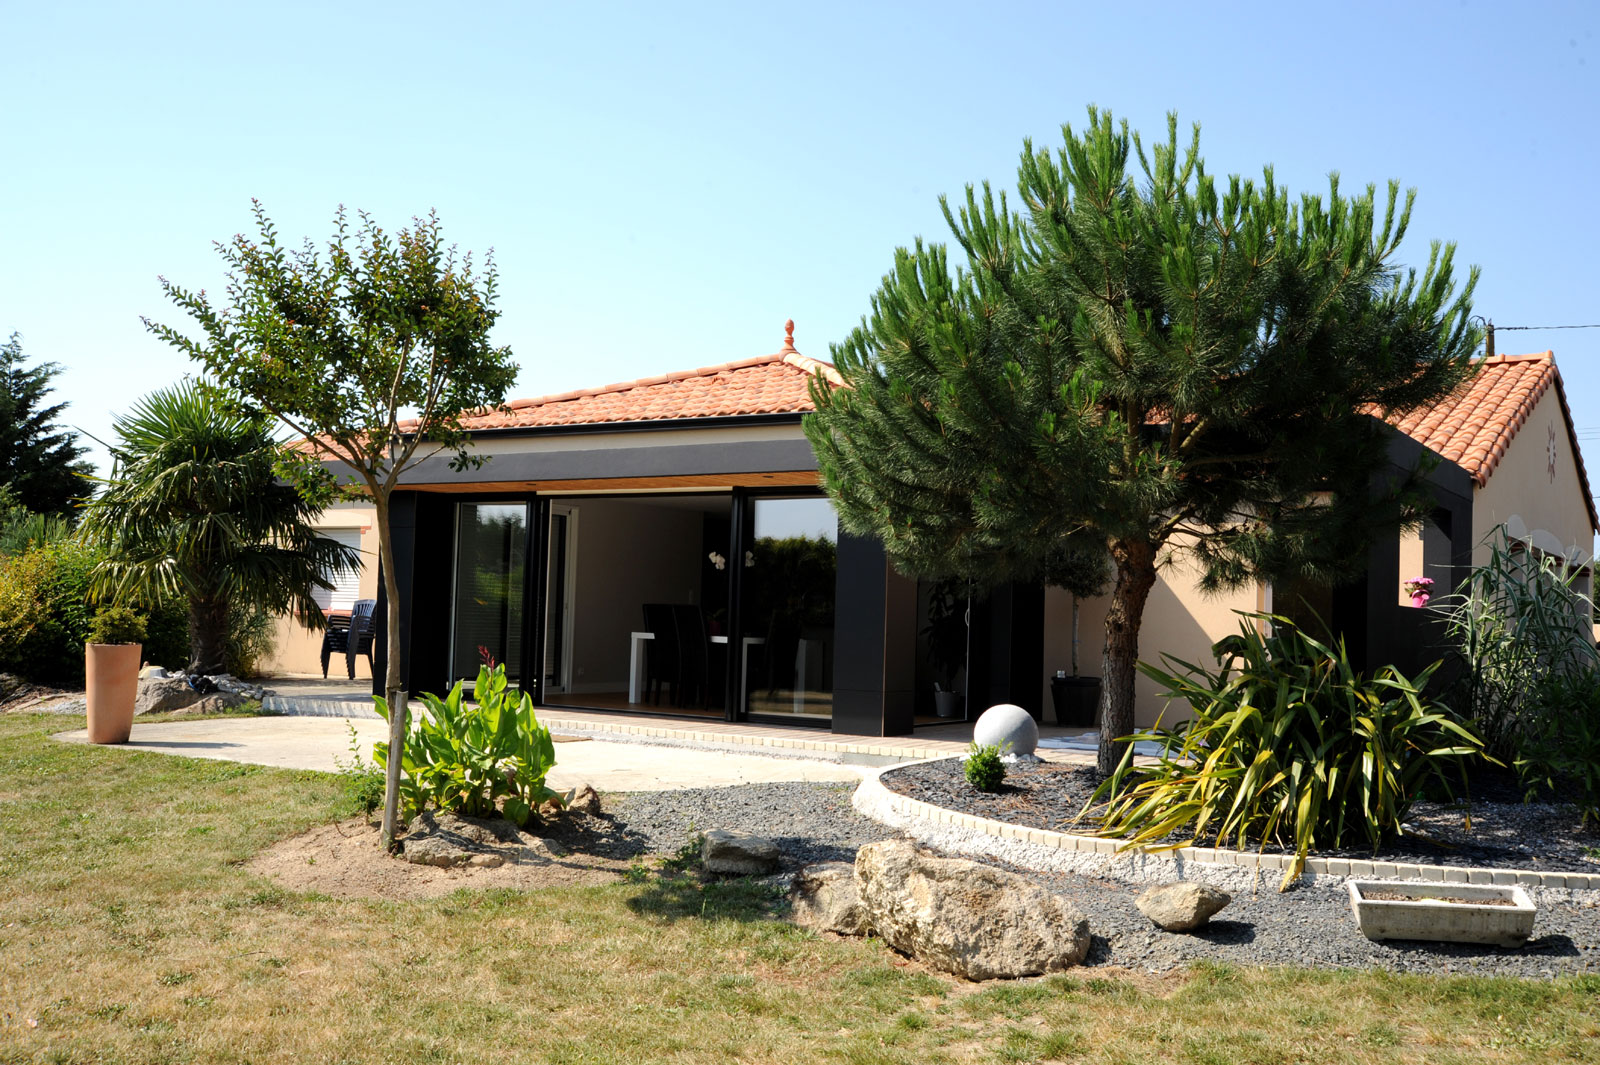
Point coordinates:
[[1146, 362], [41, 462]]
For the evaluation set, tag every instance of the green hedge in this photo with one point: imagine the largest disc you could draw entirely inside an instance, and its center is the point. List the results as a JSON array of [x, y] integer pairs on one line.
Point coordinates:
[[45, 612]]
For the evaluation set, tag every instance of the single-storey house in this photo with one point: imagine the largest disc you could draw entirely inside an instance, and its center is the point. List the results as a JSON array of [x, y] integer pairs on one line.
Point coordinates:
[[662, 545]]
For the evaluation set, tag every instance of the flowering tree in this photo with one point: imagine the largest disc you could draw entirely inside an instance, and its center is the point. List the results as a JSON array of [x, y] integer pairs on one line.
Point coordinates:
[[339, 346]]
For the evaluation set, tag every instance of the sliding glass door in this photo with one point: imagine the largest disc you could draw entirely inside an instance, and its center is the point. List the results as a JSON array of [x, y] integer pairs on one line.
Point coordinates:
[[787, 590], [490, 579]]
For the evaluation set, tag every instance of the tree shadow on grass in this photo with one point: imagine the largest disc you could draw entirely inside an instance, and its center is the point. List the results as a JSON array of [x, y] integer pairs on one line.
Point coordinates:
[[601, 835], [677, 896]]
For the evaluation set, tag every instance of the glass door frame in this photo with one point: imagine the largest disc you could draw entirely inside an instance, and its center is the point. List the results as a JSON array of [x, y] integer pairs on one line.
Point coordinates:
[[743, 539], [538, 594], [478, 499]]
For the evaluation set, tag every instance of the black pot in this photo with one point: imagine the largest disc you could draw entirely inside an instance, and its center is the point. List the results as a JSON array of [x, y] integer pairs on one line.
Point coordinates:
[[948, 704], [1077, 700]]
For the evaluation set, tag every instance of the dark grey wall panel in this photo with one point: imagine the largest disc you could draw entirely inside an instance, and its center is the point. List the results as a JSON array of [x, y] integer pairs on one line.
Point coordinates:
[[673, 460]]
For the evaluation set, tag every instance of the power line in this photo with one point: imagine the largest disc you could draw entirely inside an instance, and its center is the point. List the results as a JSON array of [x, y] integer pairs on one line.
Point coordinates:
[[1508, 328]]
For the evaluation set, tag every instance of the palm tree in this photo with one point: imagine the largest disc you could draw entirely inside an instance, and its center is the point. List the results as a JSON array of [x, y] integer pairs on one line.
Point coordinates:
[[193, 508]]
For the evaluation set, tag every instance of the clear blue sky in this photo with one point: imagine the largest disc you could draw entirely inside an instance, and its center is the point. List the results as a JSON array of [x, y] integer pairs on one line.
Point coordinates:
[[664, 184]]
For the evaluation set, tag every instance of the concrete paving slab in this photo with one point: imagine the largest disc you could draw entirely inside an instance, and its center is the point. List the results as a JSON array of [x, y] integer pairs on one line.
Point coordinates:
[[317, 742]]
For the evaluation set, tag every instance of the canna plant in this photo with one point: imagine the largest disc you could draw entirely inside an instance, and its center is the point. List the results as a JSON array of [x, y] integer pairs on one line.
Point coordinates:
[[1288, 744], [467, 757]]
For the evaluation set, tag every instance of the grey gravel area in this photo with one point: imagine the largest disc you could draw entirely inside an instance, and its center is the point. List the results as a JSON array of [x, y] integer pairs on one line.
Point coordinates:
[[1311, 925], [808, 822]]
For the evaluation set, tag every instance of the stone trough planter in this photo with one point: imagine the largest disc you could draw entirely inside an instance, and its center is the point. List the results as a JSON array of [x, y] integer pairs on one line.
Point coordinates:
[[1451, 913]]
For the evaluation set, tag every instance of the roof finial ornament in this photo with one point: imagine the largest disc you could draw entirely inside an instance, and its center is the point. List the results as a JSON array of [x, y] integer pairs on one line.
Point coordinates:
[[788, 335]]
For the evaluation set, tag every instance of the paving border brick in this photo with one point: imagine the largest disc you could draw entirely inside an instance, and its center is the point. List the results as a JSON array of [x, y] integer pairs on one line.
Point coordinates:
[[1094, 854]]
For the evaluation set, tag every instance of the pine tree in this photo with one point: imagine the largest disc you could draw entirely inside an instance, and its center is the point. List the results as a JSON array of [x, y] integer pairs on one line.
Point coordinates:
[[1173, 368], [40, 461]]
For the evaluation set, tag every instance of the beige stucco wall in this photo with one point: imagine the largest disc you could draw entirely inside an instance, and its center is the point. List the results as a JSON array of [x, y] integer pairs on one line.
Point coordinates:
[[298, 649], [1178, 621], [1523, 489]]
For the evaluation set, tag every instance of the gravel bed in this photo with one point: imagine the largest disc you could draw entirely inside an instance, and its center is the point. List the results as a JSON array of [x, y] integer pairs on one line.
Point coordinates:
[[809, 822], [1504, 834], [1310, 925]]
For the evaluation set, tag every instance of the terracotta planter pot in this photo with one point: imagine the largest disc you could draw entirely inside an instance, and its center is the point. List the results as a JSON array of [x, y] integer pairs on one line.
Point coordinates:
[[111, 671]]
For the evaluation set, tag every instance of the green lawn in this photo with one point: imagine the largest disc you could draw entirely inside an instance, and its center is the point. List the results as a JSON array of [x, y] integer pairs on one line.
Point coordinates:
[[130, 933]]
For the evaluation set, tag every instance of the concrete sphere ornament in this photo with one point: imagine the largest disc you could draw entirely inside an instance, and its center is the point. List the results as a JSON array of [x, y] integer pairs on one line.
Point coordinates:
[[1005, 725]]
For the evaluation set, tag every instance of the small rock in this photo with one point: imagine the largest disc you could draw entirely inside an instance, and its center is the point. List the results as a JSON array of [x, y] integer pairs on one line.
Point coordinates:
[[540, 850], [215, 703], [439, 838], [737, 853], [486, 861], [1182, 906], [584, 800], [161, 694], [825, 899], [233, 686]]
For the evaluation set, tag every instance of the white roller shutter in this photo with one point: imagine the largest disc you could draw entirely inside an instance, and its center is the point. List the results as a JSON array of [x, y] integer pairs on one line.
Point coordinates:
[[346, 582]]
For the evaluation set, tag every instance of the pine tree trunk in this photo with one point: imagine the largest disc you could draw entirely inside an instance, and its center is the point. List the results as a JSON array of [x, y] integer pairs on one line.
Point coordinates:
[[1136, 575], [208, 635], [391, 679]]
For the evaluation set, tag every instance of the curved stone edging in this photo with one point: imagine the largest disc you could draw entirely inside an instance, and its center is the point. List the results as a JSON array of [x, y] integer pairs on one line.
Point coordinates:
[[1065, 852]]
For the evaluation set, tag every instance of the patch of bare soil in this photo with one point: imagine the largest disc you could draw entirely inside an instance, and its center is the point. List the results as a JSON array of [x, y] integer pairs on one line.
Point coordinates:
[[343, 859]]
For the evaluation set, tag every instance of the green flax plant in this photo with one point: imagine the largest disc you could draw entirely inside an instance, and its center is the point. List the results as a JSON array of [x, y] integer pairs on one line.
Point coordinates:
[[1288, 744]]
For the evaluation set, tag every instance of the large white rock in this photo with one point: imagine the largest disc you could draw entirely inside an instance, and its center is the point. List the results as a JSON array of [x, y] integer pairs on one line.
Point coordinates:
[[973, 920], [160, 694], [1008, 727], [825, 899]]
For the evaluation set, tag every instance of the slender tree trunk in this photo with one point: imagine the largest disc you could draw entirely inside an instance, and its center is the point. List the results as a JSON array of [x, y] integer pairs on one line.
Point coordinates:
[[391, 680], [1136, 575], [208, 634]]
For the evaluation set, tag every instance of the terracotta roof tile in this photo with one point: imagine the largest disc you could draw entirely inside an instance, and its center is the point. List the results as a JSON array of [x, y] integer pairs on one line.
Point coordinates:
[[1474, 427], [766, 384]]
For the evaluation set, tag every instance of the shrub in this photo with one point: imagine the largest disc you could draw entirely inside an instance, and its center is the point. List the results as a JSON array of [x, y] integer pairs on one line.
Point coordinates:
[[1564, 746], [45, 611], [252, 634], [21, 528], [1288, 744], [116, 624], [464, 758], [363, 780], [1519, 623], [983, 769]]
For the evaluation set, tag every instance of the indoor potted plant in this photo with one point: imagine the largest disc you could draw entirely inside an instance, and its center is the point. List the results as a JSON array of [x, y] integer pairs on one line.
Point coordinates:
[[1081, 573], [946, 633], [111, 672]]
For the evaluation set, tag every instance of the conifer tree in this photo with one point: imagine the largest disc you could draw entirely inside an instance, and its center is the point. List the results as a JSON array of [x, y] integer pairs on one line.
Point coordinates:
[[41, 462], [1145, 362]]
